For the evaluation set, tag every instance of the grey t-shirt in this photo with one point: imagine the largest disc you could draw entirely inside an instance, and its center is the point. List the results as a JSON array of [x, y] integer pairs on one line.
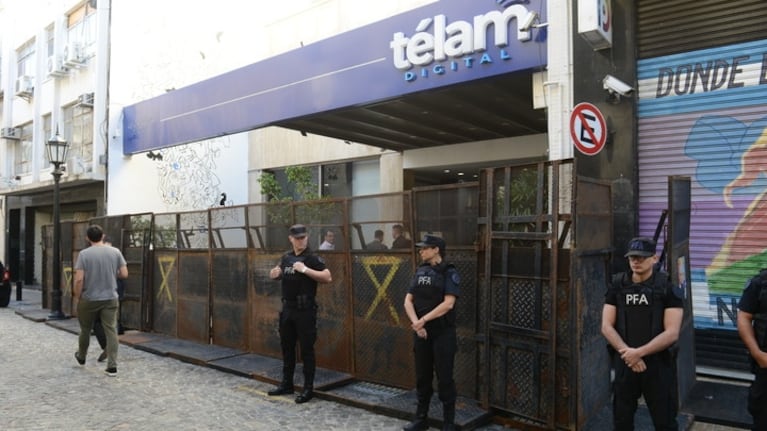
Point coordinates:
[[100, 264]]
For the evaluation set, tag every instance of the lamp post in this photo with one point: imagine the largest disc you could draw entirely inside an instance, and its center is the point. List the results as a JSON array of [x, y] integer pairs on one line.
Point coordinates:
[[57, 154]]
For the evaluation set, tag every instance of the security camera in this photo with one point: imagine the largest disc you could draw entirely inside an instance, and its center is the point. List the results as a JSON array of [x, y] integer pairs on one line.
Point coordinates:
[[616, 86]]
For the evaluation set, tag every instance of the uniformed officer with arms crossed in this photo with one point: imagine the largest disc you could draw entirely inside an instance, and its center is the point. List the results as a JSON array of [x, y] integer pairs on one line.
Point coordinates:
[[429, 305], [641, 320], [300, 270], [752, 327]]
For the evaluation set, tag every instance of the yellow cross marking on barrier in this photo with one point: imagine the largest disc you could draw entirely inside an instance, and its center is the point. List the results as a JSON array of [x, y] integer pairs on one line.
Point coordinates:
[[166, 265], [382, 286], [68, 280]]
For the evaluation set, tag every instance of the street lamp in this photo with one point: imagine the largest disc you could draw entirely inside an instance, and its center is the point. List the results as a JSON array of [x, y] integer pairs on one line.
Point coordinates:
[[57, 154]]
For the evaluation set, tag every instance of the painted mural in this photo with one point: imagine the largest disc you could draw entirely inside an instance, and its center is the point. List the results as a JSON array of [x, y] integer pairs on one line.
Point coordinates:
[[703, 114]]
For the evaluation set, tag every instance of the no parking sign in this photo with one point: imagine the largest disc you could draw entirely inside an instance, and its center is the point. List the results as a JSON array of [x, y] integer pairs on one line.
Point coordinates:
[[588, 129]]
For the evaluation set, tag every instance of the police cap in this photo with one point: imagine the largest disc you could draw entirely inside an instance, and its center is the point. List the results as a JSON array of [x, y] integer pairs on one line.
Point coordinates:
[[432, 241], [298, 231], [641, 246]]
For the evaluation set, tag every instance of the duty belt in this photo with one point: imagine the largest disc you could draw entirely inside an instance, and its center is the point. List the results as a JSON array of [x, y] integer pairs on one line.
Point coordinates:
[[302, 302]]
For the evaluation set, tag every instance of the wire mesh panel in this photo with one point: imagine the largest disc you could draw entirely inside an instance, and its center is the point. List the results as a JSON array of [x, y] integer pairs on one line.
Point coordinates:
[[525, 291], [334, 329], [388, 213], [165, 291], [228, 227], [135, 241], [383, 340]]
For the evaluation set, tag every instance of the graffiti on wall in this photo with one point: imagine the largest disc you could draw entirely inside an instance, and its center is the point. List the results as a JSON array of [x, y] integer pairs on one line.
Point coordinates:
[[702, 114], [188, 176]]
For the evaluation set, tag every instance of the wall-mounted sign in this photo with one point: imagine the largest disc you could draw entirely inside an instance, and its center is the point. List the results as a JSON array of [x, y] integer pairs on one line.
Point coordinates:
[[595, 23], [588, 129]]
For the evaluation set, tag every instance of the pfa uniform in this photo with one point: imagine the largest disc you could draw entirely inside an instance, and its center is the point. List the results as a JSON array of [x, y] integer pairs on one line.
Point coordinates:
[[436, 352], [298, 318], [754, 302], [639, 319]]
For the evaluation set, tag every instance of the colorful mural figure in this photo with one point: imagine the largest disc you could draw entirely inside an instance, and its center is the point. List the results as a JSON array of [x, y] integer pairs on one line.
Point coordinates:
[[742, 183]]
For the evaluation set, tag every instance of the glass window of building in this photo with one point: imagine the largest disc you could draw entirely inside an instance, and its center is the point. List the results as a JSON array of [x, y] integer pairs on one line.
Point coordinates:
[[23, 154]]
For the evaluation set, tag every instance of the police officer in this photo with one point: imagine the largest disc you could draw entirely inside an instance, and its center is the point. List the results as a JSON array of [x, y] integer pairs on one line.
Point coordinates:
[[429, 305], [641, 320], [752, 327], [300, 270]]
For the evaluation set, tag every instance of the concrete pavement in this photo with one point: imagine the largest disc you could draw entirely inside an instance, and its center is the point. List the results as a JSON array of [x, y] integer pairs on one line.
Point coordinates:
[[42, 387]]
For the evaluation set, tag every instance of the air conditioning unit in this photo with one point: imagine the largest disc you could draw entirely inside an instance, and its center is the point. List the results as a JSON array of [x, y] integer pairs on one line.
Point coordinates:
[[73, 55], [24, 85], [85, 99], [10, 133], [56, 66]]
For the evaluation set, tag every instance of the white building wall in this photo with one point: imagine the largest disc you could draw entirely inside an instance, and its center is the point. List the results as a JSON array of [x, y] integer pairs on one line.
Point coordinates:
[[157, 52]]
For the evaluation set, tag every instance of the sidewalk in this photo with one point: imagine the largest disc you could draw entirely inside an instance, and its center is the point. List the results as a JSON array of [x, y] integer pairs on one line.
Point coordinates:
[[43, 387], [160, 385]]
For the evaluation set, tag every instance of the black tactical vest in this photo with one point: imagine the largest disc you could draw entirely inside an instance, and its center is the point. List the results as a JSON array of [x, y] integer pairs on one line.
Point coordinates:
[[657, 309], [760, 317]]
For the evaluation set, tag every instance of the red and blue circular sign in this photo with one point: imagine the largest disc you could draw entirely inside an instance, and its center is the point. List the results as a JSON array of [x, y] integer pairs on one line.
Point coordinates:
[[588, 129]]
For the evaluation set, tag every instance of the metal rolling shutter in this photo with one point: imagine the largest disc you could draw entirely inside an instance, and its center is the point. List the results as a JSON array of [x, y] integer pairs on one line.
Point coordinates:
[[667, 27], [715, 125]]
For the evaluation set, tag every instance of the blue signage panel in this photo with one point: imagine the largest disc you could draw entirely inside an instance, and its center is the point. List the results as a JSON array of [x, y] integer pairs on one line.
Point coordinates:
[[445, 43]]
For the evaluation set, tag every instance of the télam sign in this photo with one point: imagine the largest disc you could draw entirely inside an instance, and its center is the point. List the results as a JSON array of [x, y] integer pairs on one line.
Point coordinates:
[[443, 43]]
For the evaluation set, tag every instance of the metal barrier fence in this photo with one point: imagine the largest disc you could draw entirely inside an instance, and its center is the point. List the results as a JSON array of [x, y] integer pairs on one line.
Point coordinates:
[[203, 276], [533, 267]]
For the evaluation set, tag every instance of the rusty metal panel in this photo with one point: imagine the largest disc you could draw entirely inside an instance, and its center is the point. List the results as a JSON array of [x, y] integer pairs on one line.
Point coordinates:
[[131, 305], [164, 292], [193, 309], [524, 294], [72, 241], [229, 288], [465, 371], [265, 304], [591, 274], [47, 259], [334, 335], [137, 301], [380, 283]]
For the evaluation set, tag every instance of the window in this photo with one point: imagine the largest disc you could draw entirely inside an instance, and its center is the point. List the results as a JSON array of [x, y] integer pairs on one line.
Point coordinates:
[[22, 163], [26, 59], [81, 29], [337, 180], [78, 130], [50, 37]]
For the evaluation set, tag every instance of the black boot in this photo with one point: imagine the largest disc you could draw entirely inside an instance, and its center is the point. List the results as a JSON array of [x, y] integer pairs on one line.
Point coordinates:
[[305, 395], [421, 421], [285, 387], [448, 417]]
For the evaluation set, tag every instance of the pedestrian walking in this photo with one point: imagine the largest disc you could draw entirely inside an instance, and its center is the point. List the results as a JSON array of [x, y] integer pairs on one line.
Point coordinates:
[[96, 271], [300, 270]]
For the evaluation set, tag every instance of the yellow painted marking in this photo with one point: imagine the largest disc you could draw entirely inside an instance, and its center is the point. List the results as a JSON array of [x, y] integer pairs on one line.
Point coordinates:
[[67, 280], [166, 265], [382, 286]]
